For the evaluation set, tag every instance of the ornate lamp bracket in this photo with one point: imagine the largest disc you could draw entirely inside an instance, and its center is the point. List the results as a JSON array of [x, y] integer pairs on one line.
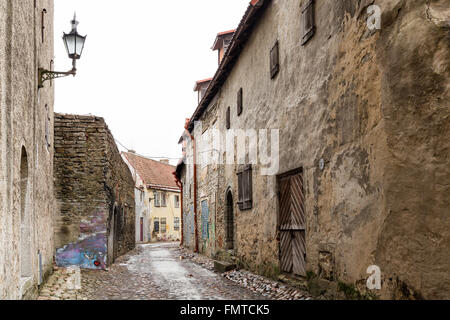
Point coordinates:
[[45, 75]]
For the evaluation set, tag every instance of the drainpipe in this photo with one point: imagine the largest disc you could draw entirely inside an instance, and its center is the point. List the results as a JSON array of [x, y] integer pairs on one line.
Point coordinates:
[[195, 188]]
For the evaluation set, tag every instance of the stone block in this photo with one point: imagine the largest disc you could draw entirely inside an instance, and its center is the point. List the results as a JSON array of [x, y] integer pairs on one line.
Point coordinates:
[[222, 267]]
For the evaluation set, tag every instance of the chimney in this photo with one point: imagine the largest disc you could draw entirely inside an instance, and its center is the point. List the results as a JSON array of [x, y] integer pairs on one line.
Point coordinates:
[[201, 87], [132, 151], [222, 42], [165, 161]]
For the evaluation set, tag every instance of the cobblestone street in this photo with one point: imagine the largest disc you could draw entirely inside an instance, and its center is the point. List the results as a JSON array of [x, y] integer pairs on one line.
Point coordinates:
[[151, 272]]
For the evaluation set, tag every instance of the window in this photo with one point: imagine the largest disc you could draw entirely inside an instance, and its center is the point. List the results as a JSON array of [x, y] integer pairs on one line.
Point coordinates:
[[163, 225], [240, 106], [177, 201], [176, 224], [274, 60], [163, 199], [156, 225], [157, 197], [245, 180], [308, 21], [228, 118]]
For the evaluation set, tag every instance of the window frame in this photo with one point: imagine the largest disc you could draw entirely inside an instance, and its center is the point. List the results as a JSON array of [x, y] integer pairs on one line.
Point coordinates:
[[228, 118], [176, 201], [176, 223], [163, 230], [163, 196], [156, 222], [275, 63], [245, 188], [308, 21], [157, 199], [240, 101]]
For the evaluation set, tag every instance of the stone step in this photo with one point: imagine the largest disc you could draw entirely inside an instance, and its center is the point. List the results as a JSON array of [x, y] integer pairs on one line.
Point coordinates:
[[222, 267]]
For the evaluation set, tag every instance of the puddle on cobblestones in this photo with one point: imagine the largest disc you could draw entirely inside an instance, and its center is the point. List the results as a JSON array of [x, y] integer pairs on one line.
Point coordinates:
[[167, 271]]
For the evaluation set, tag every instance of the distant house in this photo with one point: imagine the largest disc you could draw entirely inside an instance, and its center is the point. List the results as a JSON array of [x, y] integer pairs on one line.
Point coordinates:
[[158, 199]]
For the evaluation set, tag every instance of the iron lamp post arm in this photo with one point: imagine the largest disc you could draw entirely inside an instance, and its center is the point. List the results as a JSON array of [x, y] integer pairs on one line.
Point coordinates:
[[45, 75]]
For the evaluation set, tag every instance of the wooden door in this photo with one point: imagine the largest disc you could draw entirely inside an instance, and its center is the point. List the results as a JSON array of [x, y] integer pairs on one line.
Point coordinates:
[[292, 223]]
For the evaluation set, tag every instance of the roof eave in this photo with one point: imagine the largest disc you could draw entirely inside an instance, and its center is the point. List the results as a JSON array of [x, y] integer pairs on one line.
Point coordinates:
[[240, 36]]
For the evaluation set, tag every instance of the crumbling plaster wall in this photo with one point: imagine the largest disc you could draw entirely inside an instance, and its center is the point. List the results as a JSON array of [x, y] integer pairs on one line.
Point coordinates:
[[23, 119], [374, 106]]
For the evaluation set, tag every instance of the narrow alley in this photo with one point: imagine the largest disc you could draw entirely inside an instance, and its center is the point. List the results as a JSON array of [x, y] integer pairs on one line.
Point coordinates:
[[150, 272]]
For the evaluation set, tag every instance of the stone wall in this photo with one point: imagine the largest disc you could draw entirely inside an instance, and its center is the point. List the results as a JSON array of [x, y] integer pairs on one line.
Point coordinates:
[[373, 106], [95, 193], [26, 156]]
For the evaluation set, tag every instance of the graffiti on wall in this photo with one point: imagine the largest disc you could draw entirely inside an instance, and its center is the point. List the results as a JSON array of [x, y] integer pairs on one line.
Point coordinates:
[[89, 252]]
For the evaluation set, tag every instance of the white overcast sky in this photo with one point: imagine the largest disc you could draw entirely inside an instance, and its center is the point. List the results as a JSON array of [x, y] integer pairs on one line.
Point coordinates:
[[140, 64]]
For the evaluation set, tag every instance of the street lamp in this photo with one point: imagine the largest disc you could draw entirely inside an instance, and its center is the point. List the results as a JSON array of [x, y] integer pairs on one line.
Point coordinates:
[[74, 45]]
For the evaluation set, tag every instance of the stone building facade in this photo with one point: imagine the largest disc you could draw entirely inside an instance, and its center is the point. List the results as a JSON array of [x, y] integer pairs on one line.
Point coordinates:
[[363, 131], [26, 148], [95, 194], [158, 199]]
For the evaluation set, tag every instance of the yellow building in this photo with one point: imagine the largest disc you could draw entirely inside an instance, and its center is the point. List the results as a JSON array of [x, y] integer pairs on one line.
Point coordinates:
[[158, 207]]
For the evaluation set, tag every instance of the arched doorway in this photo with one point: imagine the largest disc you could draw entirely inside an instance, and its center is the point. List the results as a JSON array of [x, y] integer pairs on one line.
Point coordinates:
[[25, 221], [229, 221]]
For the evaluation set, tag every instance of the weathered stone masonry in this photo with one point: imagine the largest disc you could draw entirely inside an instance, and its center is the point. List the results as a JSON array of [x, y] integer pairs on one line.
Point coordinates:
[[95, 193], [374, 107], [27, 202]]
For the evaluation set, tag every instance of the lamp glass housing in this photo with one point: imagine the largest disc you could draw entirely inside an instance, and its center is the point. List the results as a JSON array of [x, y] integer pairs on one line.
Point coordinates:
[[74, 42]]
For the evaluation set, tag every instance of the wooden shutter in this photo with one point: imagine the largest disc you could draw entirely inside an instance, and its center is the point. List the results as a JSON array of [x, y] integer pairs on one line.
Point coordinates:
[[308, 21], [240, 106], [241, 190], [274, 60], [248, 190], [228, 124], [245, 181]]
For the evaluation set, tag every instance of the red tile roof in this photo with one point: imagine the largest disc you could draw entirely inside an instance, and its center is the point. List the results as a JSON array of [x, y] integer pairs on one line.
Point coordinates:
[[226, 32], [154, 173], [220, 35], [199, 83]]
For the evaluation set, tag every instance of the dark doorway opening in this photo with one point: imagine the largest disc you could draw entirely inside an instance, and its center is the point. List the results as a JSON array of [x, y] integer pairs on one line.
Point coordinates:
[[142, 230], [229, 221]]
